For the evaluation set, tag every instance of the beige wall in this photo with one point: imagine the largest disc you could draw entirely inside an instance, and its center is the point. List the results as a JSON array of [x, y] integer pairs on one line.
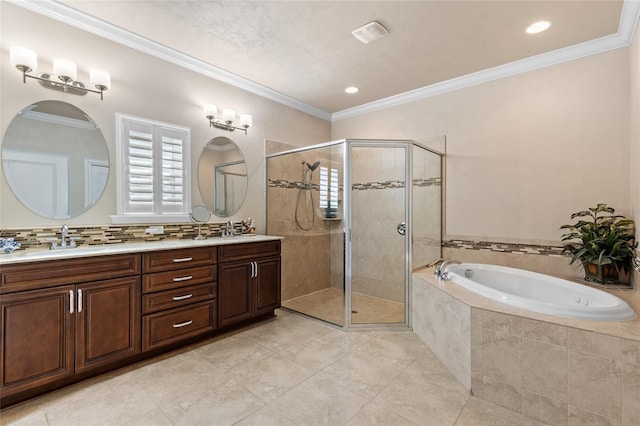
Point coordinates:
[[635, 137], [143, 86], [523, 152]]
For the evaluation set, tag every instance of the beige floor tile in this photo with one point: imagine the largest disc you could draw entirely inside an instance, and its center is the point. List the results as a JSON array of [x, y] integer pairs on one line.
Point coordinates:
[[328, 305], [372, 414], [319, 402], [482, 413], [152, 418], [421, 401], [363, 373], [318, 353], [428, 367], [374, 378], [400, 347], [222, 405], [271, 377], [100, 404], [266, 416], [24, 415], [180, 375], [233, 352]]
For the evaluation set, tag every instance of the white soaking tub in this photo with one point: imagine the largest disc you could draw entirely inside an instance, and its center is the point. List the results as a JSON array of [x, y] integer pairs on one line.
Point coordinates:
[[540, 293]]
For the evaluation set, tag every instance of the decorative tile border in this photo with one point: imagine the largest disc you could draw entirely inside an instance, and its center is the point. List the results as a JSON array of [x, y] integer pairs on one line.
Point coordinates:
[[287, 184], [111, 234], [542, 250]]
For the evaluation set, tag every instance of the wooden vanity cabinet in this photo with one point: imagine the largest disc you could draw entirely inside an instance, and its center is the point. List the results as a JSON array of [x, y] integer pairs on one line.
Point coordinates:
[[179, 295], [50, 334], [248, 281]]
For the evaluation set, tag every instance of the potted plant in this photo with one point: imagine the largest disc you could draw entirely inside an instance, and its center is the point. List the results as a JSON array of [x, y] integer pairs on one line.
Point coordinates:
[[603, 241]]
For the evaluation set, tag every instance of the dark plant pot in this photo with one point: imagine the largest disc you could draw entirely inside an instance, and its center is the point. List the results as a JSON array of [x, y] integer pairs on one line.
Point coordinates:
[[603, 274]]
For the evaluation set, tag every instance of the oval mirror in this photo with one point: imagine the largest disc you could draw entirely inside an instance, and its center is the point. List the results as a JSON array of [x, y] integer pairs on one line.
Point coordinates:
[[55, 159], [222, 176]]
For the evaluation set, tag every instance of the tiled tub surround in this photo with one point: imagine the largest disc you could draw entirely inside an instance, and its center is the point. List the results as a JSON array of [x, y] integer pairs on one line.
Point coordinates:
[[556, 370], [544, 258], [40, 238]]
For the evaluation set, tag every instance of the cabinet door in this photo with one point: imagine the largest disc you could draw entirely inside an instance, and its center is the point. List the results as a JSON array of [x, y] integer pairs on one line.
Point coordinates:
[[234, 292], [267, 286], [36, 338], [107, 322]]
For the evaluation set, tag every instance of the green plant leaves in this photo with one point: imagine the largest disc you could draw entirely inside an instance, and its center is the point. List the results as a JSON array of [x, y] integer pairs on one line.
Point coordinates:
[[602, 238]]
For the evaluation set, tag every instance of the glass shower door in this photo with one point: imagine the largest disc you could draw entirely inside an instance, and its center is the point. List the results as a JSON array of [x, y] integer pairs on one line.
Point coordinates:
[[377, 259]]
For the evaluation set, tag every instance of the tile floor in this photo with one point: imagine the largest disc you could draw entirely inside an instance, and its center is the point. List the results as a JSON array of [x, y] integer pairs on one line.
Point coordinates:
[[328, 305], [290, 370]]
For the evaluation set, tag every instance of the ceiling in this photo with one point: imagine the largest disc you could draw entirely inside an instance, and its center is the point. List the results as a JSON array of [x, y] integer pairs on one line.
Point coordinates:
[[304, 50]]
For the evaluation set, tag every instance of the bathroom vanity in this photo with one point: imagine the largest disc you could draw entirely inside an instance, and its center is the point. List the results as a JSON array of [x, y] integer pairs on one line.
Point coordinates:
[[68, 316]]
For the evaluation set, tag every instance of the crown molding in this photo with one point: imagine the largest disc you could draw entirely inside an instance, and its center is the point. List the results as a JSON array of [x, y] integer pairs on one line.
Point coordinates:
[[628, 22], [626, 28], [83, 21]]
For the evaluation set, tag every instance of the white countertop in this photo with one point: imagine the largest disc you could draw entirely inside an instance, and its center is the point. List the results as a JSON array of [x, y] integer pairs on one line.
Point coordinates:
[[24, 256]]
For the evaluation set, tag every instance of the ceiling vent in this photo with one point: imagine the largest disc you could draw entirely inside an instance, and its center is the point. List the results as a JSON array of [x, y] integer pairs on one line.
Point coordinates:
[[370, 32]]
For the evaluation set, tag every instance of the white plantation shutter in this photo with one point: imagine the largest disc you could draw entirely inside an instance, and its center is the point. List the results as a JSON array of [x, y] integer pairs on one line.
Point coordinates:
[[155, 158]]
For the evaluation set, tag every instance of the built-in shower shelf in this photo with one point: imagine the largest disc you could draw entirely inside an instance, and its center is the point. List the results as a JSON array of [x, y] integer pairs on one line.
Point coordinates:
[[332, 218]]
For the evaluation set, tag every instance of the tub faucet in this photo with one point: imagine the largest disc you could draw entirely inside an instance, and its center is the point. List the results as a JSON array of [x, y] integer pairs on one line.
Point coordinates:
[[441, 272]]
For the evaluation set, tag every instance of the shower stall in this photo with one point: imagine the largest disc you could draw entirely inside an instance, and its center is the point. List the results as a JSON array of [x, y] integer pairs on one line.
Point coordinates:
[[353, 228]]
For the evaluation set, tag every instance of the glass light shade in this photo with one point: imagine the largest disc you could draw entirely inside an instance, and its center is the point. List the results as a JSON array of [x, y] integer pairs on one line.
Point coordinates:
[[210, 110], [100, 78], [246, 120], [228, 115], [23, 57], [64, 68]]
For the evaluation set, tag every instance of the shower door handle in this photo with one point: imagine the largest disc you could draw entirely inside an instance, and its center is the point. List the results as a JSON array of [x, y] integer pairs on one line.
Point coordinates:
[[402, 228]]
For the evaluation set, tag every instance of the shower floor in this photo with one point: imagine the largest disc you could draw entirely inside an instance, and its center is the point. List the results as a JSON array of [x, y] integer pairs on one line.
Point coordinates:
[[328, 305]]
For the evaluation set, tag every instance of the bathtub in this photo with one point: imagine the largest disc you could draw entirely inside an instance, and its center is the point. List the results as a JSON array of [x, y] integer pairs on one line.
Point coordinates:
[[540, 293]]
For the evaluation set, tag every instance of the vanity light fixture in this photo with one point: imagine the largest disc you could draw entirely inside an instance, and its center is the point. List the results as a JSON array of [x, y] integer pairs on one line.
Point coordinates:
[[228, 118], [26, 61]]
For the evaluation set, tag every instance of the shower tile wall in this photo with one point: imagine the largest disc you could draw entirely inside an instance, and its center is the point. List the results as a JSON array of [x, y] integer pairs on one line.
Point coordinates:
[[308, 253], [427, 196], [378, 199]]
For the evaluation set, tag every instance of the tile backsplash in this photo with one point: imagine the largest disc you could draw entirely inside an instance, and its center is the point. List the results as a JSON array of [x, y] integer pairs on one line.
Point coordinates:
[[111, 234]]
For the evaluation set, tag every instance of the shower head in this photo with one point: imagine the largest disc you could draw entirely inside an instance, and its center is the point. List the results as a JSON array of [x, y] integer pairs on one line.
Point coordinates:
[[313, 166]]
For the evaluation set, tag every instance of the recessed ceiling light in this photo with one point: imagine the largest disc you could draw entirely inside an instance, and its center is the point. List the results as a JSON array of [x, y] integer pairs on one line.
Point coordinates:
[[351, 89], [538, 27]]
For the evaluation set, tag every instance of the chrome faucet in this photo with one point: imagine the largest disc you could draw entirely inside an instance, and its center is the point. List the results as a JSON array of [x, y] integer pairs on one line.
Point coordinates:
[[229, 230], [441, 272], [65, 241]]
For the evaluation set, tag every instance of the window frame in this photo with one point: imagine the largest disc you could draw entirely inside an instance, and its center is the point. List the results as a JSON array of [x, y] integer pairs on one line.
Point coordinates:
[[123, 216]]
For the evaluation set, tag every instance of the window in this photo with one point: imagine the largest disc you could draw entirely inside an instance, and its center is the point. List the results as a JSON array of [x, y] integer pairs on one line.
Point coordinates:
[[153, 164], [329, 191]]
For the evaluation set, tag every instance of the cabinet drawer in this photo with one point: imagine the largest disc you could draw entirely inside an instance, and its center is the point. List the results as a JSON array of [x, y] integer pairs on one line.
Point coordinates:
[[172, 326], [176, 279], [170, 299], [52, 273], [176, 259], [248, 251]]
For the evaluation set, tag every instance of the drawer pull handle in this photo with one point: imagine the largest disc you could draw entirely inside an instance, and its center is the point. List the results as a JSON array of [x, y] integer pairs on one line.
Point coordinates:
[[183, 259], [182, 324], [71, 301], [186, 296], [178, 279]]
